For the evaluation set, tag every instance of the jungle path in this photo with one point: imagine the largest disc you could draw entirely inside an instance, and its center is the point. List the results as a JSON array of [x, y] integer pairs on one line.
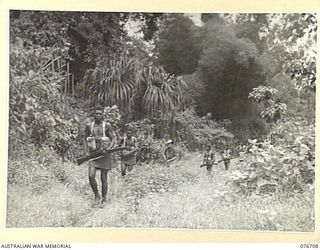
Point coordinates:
[[180, 196]]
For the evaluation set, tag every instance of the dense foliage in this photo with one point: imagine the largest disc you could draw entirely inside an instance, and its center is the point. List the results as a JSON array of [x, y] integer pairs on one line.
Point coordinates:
[[293, 39], [229, 68], [192, 84], [143, 91], [36, 113], [178, 44], [245, 82], [285, 162], [197, 132], [273, 109]]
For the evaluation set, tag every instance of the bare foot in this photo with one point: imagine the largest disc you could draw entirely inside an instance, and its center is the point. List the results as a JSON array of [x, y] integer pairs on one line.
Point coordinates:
[[96, 200], [103, 203]]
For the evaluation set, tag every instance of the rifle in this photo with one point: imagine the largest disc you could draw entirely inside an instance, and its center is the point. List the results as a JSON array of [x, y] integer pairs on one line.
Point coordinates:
[[171, 160], [167, 162], [98, 154], [216, 163], [124, 156]]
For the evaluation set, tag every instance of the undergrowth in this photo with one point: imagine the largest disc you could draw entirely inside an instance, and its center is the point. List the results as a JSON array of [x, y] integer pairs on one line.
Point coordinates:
[[44, 191]]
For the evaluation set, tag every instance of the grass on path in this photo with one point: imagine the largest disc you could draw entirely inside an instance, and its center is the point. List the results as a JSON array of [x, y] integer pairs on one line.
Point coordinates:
[[154, 196]]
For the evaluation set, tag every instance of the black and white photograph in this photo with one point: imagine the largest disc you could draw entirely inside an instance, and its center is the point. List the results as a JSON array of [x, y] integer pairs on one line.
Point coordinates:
[[162, 120]]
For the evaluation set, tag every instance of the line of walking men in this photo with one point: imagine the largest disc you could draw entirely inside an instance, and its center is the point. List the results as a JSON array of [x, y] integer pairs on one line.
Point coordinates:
[[100, 135]]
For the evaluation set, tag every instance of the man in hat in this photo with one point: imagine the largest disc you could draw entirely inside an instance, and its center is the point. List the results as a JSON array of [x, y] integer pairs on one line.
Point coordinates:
[[169, 153]]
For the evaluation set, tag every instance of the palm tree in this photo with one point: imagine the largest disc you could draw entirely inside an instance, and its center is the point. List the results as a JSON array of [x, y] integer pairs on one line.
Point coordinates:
[[117, 83], [112, 83], [157, 92], [148, 91]]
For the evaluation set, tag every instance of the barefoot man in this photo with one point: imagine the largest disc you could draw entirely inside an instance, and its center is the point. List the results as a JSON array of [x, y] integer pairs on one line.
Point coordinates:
[[99, 135], [128, 157]]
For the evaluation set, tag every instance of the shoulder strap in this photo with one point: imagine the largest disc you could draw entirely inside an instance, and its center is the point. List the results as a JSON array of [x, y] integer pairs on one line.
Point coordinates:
[[104, 129], [91, 128]]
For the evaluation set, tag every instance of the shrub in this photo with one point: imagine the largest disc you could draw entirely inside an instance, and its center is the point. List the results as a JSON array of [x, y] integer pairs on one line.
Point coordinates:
[[287, 164], [273, 109], [151, 148], [36, 113], [195, 132]]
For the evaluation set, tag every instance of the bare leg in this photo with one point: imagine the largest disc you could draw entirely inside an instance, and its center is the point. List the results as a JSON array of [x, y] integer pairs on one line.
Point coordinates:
[[226, 164], [93, 183], [104, 184], [123, 168], [130, 167]]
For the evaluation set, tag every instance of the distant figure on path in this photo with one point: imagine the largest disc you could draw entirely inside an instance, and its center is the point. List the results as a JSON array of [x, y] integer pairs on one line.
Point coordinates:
[[169, 154], [209, 157], [99, 135], [226, 155], [128, 156]]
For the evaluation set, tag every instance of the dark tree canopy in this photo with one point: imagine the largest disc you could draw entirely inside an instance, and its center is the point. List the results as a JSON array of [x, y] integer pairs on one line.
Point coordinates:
[[178, 44], [222, 60], [230, 68]]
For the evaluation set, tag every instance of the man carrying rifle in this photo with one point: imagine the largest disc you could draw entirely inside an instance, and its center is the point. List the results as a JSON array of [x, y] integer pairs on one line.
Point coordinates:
[[128, 156], [99, 136], [226, 156], [208, 158]]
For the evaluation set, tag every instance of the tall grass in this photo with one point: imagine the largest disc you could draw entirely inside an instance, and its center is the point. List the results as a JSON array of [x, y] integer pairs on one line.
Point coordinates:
[[204, 202], [57, 207], [155, 196]]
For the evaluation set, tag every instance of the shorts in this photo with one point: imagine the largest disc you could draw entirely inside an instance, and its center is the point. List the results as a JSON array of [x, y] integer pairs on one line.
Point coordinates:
[[102, 163]]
